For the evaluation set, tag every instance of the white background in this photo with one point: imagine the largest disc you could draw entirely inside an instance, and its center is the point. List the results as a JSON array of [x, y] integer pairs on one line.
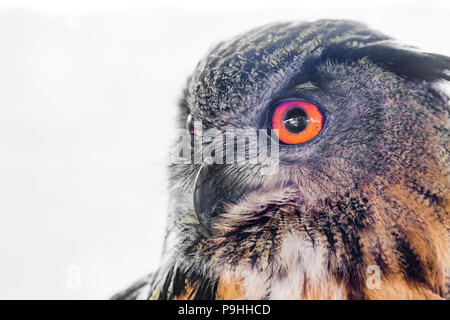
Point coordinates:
[[88, 91]]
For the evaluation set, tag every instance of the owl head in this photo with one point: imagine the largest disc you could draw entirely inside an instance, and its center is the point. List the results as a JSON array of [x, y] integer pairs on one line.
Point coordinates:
[[361, 131]]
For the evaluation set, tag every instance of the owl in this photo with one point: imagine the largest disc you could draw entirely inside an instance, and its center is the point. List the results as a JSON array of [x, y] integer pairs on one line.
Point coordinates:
[[354, 202]]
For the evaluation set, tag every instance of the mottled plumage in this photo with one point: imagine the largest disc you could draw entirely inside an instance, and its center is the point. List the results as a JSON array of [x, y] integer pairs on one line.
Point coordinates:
[[371, 190]]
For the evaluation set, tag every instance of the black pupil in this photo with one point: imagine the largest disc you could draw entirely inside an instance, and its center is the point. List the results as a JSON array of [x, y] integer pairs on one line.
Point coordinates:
[[296, 120]]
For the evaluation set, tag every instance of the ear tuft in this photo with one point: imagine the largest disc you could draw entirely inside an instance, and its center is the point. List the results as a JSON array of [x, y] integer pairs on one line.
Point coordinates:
[[404, 61]]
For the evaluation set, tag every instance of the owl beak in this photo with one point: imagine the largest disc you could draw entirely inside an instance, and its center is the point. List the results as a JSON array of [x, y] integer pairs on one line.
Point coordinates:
[[209, 197], [216, 186]]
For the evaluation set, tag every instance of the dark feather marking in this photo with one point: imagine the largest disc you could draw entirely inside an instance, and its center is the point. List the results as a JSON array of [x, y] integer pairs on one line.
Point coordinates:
[[431, 197], [163, 295], [377, 255], [254, 256], [325, 228], [207, 290], [349, 223], [175, 284], [305, 228], [410, 261], [273, 231], [178, 283]]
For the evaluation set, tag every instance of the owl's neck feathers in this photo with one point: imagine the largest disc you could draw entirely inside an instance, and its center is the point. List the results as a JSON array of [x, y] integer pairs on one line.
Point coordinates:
[[329, 251]]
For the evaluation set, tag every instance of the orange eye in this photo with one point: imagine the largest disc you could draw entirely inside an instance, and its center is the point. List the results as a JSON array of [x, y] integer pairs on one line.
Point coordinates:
[[297, 121]]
